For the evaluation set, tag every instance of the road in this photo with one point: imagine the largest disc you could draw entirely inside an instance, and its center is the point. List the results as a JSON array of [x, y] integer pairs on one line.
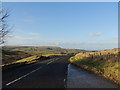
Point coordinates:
[[49, 74], [80, 78], [53, 73]]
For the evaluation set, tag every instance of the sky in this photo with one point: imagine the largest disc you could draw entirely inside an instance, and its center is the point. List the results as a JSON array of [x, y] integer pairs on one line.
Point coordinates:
[[79, 25]]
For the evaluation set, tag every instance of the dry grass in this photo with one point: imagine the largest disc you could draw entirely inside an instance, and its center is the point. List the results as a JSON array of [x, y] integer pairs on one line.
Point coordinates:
[[9, 56], [105, 63], [28, 59]]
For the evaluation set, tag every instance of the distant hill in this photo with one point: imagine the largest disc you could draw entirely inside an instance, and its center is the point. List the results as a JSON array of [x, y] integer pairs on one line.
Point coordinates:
[[45, 49], [9, 56], [14, 53]]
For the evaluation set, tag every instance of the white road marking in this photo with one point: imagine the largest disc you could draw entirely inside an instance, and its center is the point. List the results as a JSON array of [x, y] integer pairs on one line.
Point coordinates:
[[65, 83], [50, 62], [23, 76], [64, 80], [26, 74]]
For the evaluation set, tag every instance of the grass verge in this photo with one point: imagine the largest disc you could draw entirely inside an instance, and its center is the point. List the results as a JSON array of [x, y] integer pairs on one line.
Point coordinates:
[[19, 63], [27, 61], [104, 63]]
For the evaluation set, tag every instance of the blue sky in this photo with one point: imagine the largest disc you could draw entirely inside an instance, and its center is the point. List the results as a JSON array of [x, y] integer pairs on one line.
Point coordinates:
[[83, 25]]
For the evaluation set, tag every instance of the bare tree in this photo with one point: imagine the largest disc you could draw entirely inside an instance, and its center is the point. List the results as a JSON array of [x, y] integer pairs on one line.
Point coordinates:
[[4, 29]]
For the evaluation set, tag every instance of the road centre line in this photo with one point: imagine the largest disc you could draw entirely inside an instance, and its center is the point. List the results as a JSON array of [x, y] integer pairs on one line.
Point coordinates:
[[26, 74], [64, 80], [50, 62], [23, 76]]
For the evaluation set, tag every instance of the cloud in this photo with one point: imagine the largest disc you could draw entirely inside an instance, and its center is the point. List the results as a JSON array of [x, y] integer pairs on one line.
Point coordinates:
[[27, 18], [25, 34], [35, 41], [95, 34]]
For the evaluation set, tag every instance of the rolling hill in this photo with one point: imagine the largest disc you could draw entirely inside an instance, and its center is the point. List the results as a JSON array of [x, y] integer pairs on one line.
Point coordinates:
[[14, 53]]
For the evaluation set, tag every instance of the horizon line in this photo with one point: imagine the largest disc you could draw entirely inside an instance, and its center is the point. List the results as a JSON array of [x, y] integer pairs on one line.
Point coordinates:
[[61, 47]]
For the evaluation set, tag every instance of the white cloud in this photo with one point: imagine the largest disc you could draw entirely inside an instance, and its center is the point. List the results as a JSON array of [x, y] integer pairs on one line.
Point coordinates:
[[38, 41], [23, 33], [29, 20], [95, 34], [91, 45]]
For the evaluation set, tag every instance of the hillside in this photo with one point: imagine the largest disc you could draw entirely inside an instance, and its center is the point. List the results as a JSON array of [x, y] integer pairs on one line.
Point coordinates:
[[104, 63], [44, 49], [14, 53], [9, 56]]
